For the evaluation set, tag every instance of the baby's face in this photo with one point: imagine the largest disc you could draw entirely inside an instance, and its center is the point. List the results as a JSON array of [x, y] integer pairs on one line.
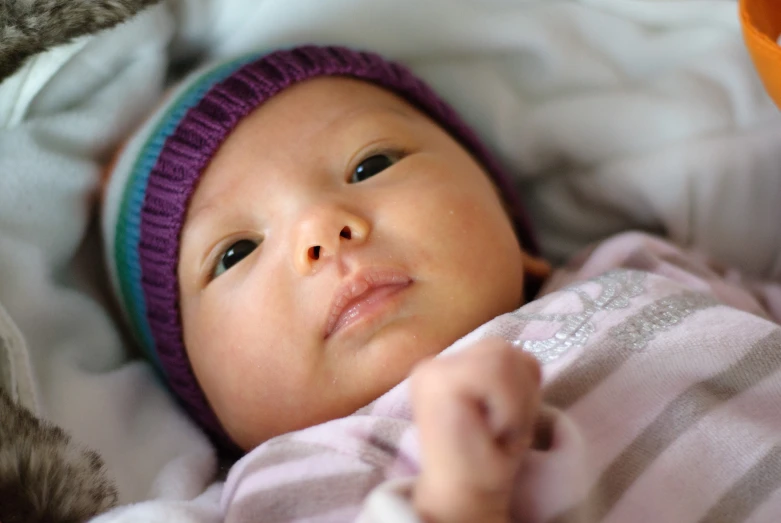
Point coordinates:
[[337, 238]]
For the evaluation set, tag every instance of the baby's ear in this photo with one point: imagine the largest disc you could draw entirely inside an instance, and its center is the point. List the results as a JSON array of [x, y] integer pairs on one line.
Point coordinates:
[[535, 266], [536, 272]]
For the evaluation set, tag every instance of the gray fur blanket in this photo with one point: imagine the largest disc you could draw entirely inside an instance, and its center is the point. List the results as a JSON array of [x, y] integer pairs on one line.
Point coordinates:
[[28, 27], [45, 476]]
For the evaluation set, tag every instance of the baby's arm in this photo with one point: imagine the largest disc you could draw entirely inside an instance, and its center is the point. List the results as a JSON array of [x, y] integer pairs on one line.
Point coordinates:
[[475, 412]]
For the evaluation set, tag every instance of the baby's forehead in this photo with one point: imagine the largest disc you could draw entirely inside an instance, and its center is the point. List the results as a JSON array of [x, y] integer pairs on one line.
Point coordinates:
[[316, 117], [327, 99], [336, 89]]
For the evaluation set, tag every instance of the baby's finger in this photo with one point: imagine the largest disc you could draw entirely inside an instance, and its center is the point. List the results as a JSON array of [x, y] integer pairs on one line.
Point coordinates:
[[505, 382], [475, 410], [454, 435], [458, 454], [516, 400]]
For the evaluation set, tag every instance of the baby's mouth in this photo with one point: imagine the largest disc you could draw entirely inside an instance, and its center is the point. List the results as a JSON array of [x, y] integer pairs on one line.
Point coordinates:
[[364, 295]]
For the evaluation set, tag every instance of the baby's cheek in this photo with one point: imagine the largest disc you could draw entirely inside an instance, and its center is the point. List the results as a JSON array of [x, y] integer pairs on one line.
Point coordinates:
[[229, 380], [246, 370], [215, 353]]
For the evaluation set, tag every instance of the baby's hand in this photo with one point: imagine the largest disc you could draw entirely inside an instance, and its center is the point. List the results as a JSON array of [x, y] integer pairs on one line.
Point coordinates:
[[475, 412]]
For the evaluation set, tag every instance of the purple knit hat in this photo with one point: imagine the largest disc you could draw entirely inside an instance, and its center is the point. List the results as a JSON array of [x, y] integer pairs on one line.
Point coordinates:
[[157, 173]]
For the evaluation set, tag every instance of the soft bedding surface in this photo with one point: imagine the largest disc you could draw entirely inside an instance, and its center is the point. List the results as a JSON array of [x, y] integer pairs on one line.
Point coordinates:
[[612, 114]]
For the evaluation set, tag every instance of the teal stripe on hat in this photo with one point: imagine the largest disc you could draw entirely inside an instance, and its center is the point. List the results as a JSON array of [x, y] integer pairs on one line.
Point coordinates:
[[129, 219]]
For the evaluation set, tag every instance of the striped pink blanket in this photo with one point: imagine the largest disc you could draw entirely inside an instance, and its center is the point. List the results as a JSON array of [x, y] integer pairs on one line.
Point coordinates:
[[662, 402]]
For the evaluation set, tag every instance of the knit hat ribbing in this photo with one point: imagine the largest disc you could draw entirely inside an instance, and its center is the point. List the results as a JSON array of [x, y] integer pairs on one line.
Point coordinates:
[[156, 175]]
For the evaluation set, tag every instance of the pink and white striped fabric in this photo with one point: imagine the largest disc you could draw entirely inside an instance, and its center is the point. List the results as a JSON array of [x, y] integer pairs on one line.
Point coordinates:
[[662, 402]]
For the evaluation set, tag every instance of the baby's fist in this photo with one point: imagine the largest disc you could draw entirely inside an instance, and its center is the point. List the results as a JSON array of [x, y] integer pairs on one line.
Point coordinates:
[[475, 412]]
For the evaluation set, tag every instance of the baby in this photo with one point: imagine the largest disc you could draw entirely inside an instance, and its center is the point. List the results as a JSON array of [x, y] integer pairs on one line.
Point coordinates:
[[293, 235]]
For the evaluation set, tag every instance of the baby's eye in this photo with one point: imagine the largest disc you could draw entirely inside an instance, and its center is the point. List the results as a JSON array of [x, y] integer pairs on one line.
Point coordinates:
[[233, 255], [371, 166]]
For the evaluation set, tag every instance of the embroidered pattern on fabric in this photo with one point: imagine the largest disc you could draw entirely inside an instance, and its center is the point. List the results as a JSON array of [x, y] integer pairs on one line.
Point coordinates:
[[618, 288], [658, 317]]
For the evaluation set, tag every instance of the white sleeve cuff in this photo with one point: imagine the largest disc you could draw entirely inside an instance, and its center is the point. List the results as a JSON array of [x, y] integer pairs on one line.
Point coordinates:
[[390, 502]]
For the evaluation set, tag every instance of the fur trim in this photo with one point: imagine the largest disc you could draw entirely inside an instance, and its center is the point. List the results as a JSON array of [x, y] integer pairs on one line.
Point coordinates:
[[44, 476], [28, 27]]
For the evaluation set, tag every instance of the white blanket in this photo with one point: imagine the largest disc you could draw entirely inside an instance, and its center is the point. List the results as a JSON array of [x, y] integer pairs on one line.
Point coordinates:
[[612, 113]]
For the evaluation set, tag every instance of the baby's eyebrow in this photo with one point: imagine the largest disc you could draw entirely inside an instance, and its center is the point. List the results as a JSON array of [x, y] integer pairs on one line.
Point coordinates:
[[372, 110], [197, 215], [400, 111]]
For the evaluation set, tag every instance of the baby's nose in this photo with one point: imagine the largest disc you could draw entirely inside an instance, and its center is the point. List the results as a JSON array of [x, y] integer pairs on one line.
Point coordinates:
[[323, 232]]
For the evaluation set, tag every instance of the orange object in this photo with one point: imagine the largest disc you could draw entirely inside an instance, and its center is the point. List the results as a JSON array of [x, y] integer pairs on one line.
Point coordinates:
[[761, 21]]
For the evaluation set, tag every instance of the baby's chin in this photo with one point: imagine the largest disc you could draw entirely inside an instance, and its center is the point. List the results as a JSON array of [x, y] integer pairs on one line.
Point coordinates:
[[248, 431], [357, 375]]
